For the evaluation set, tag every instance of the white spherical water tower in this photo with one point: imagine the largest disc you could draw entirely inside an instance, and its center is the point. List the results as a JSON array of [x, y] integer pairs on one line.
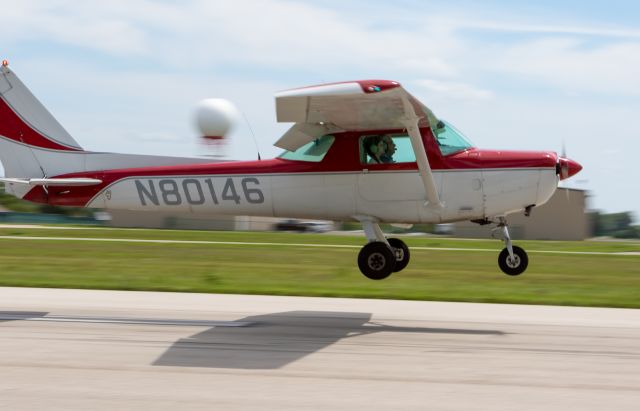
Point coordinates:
[[214, 119]]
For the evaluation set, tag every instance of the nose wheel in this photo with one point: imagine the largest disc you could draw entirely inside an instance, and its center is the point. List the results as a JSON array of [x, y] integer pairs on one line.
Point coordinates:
[[512, 260], [513, 265]]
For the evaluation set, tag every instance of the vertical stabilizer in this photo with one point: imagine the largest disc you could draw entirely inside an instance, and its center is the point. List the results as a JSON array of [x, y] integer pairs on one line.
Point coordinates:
[[27, 130]]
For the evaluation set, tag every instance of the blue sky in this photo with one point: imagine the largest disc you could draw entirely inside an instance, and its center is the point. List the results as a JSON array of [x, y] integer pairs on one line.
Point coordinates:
[[125, 75]]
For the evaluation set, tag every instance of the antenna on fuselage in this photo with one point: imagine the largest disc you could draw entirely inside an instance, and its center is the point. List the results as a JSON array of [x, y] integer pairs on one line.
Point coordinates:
[[255, 141]]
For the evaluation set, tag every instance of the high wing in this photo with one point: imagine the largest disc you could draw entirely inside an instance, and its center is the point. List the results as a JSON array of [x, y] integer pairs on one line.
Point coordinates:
[[349, 106], [355, 106]]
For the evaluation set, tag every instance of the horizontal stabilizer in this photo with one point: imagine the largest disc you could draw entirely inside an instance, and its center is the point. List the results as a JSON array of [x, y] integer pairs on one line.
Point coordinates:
[[53, 181]]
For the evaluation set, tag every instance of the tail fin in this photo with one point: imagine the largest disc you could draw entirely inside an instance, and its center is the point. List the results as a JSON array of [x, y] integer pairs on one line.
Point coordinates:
[[29, 134]]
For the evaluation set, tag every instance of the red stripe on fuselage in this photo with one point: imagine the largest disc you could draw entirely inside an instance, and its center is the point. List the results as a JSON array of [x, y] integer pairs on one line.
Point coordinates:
[[342, 157], [14, 128]]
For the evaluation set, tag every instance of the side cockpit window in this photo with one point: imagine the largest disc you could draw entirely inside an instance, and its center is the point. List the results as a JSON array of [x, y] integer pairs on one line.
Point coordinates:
[[313, 151], [386, 149], [449, 139]]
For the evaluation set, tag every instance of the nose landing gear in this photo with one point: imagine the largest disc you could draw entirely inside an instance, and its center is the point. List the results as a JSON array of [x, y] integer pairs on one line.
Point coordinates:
[[512, 260]]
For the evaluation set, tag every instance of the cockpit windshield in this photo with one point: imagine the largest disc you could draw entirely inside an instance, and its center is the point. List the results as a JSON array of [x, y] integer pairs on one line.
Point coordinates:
[[313, 151], [449, 139]]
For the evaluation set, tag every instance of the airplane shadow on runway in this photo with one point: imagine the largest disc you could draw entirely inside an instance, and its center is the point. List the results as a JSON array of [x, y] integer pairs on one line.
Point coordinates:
[[275, 340]]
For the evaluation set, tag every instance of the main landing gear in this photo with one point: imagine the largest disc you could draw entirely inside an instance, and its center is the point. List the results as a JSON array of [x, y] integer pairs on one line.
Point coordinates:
[[382, 256], [512, 260]]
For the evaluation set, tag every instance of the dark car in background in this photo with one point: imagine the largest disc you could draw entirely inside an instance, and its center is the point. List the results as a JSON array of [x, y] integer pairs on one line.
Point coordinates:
[[303, 226]]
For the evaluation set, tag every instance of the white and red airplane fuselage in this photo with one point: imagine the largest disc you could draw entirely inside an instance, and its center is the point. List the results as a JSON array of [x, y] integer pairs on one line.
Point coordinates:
[[473, 184]]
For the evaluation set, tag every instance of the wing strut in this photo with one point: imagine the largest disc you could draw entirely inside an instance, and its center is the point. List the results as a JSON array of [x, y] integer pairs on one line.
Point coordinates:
[[411, 123]]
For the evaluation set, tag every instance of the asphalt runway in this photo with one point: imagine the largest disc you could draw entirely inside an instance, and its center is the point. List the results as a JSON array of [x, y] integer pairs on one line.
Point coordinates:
[[105, 350]]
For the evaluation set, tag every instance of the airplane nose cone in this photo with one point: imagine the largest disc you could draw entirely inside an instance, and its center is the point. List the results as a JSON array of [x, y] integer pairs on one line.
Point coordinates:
[[568, 168]]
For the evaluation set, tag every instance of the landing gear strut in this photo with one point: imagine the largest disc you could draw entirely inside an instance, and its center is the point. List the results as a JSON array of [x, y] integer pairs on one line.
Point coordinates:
[[382, 256], [512, 260]]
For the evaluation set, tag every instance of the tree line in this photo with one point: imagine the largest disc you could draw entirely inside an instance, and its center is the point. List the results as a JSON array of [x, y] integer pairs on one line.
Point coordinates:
[[618, 225]]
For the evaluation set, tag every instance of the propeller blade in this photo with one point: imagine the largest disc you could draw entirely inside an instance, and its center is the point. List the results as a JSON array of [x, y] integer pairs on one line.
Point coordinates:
[[564, 169]]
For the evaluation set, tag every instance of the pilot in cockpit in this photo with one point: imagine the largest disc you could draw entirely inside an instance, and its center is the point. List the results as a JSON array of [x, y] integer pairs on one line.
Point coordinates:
[[389, 149], [380, 149]]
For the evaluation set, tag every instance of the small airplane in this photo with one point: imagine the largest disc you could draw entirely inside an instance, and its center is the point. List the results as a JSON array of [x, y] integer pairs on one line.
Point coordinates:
[[364, 151]]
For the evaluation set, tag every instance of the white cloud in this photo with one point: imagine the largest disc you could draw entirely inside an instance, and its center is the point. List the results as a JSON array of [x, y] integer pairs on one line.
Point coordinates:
[[570, 65], [280, 34], [553, 29], [87, 25], [274, 33], [456, 90]]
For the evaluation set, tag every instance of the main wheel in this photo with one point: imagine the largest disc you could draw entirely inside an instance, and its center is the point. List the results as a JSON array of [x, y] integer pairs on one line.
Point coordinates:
[[401, 252], [514, 266], [376, 260]]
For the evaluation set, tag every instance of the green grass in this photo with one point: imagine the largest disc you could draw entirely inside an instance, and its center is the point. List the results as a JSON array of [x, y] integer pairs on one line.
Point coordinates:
[[564, 279]]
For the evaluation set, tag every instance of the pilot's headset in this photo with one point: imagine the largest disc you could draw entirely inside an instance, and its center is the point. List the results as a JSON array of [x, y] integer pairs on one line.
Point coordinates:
[[386, 141], [376, 147]]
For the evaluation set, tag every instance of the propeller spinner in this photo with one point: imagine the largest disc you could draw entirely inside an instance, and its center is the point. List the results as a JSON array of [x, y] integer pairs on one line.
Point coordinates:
[[566, 168]]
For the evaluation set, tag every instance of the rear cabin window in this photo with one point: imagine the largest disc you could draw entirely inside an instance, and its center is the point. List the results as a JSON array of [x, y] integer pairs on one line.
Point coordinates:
[[313, 151], [386, 149]]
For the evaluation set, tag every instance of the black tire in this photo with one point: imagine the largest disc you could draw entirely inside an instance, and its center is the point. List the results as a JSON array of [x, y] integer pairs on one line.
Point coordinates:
[[516, 267], [376, 260], [401, 252]]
